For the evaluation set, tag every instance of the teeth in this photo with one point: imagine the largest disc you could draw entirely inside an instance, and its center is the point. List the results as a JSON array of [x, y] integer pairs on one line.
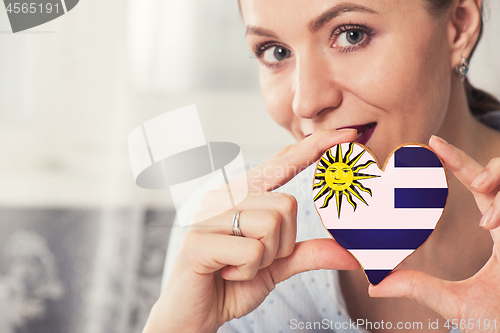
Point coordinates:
[[364, 131]]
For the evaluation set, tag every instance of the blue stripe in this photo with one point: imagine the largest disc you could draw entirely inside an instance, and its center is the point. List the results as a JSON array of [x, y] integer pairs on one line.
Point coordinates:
[[416, 157], [376, 275], [380, 239], [420, 197]]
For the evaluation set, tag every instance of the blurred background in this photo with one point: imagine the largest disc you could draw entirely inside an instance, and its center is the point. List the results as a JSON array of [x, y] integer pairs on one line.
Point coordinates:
[[82, 247]]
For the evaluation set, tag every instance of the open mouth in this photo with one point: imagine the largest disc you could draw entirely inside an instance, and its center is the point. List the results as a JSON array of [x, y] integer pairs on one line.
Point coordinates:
[[364, 132]]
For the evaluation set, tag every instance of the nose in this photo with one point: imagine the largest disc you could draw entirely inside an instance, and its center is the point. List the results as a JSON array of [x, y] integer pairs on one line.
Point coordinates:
[[315, 88]]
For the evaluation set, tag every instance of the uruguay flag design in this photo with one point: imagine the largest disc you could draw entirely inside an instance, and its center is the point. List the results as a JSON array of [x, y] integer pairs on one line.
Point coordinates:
[[406, 203]]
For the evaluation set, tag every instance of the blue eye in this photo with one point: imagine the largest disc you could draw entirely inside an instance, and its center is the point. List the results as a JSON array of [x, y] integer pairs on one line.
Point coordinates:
[[276, 53], [349, 38], [354, 37]]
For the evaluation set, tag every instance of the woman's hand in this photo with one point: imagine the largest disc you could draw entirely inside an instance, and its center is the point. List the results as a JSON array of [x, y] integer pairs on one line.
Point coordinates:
[[217, 276], [473, 301]]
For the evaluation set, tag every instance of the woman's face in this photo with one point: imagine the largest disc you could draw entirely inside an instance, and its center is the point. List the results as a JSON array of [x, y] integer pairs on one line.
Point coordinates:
[[382, 67]]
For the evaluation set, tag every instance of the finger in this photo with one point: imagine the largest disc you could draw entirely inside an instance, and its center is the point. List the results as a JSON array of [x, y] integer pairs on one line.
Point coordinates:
[[439, 295], [283, 203], [489, 178], [311, 255], [491, 221], [491, 218], [464, 167], [205, 253], [262, 225], [286, 206], [293, 159]]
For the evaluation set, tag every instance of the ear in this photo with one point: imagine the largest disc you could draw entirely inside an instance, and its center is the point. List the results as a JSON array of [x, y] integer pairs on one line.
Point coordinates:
[[464, 28]]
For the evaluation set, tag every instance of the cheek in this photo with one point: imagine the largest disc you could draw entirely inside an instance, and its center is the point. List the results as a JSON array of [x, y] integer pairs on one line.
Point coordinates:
[[415, 84], [278, 98], [408, 83]]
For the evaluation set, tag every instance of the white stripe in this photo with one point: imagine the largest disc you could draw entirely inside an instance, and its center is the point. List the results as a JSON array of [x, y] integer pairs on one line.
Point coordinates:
[[380, 259], [404, 218], [418, 177]]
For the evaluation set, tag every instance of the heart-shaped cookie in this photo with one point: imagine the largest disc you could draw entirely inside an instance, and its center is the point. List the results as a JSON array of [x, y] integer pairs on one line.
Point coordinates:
[[380, 215]]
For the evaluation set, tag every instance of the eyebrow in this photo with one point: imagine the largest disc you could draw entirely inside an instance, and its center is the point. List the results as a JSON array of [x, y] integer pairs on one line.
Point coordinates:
[[260, 32], [335, 11], [317, 23]]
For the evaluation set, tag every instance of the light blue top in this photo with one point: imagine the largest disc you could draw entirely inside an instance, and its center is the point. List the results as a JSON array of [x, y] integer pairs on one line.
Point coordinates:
[[313, 297]]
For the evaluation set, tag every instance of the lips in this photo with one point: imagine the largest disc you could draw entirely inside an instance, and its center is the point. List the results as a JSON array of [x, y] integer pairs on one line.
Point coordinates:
[[364, 132]]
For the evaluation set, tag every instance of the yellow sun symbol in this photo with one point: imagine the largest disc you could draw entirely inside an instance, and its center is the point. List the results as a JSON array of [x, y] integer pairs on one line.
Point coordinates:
[[340, 176]]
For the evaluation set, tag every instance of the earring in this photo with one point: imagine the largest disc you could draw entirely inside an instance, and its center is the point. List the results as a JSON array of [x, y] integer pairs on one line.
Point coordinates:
[[461, 71]]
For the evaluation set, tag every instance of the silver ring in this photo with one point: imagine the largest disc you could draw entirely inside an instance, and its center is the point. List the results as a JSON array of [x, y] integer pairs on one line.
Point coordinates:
[[236, 224]]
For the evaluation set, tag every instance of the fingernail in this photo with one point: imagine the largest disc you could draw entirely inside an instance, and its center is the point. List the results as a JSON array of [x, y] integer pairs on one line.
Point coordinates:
[[441, 140], [487, 216], [479, 179], [347, 130]]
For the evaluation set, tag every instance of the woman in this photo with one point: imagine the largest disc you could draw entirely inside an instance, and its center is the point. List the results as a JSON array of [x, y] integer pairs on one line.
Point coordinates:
[[382, 73]]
